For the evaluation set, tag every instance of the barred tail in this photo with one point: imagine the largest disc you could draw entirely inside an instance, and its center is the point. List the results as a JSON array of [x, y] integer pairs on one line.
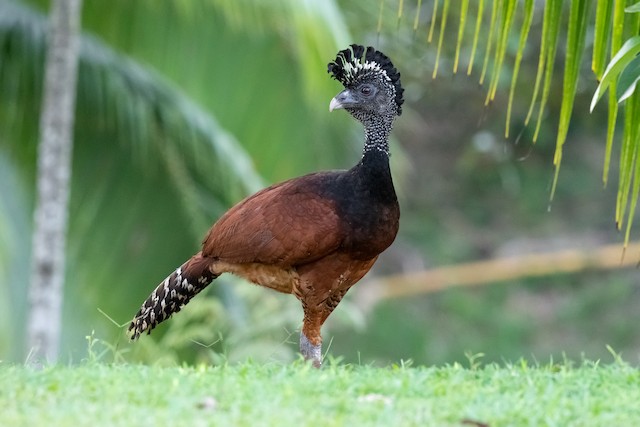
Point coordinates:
[[170, 295]]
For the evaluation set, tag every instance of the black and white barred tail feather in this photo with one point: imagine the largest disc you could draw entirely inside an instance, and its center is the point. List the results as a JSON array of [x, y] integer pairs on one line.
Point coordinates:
[[174, 292]]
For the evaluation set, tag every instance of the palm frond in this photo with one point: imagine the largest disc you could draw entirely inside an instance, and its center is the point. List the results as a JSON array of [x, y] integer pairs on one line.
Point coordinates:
[[577, 33], [269, 65], [311, 30], [153, 167], [147, 111], [137, 136], [612, 22]]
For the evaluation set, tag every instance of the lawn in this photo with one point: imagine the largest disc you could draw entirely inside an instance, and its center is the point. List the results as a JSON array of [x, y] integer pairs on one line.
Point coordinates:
[[250, 394]]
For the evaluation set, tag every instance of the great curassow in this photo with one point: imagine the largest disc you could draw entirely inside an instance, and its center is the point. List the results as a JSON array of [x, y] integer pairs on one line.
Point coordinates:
[[314, 236]]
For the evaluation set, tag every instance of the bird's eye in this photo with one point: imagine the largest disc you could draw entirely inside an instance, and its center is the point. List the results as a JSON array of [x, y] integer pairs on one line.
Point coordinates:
[[365, 90]]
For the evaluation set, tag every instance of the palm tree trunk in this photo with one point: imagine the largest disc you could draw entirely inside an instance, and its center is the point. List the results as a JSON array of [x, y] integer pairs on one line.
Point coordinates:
[[53, 180]]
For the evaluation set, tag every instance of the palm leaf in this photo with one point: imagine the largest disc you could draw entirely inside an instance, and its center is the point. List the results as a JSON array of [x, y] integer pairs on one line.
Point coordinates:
[[249, 75], [612, 116], [131, 125], [601, 37], [524, 34], [476, 35], [461, 27], [146, 110], [575, 46], [612, 23], [152, 166]]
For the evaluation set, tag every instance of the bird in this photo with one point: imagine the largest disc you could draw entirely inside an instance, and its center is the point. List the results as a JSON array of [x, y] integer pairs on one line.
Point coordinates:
[[312, 236]]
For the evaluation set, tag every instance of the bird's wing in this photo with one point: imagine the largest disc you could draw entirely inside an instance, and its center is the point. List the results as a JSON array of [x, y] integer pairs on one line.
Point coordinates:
[[287, 224]]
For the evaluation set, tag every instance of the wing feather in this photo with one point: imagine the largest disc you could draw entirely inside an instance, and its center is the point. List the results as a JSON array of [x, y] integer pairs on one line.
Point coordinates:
[[287, 224]]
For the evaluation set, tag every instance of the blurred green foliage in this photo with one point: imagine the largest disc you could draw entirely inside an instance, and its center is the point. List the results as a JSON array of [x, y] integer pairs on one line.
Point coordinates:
[[157, 156]]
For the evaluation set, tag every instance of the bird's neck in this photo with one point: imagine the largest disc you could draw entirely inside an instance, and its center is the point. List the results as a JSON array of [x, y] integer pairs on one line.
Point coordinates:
[[376, 137], [373, 170]]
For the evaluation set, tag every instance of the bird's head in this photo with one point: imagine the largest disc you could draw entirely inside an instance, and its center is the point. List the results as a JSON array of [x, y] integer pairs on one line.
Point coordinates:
[[371, 84]]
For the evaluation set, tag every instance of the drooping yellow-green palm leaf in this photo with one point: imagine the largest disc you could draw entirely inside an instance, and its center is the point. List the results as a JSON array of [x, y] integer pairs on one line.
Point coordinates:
[[577, 32], [476, 35], [612, 22], [524, 34], [461, 27]]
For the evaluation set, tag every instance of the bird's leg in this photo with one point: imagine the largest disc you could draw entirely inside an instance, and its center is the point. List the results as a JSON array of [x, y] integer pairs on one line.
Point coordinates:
[[311, 352], [310, 338]]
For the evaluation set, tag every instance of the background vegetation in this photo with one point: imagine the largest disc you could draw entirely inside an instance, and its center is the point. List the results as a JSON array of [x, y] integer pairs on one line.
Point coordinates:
[[184, 107]]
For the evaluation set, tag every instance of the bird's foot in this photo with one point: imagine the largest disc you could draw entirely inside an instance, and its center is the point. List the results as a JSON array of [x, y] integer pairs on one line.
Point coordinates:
[[311, 351]]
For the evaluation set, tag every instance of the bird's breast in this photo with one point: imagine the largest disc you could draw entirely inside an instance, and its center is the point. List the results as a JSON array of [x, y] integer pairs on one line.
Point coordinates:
[[369, 216], [372, 230]]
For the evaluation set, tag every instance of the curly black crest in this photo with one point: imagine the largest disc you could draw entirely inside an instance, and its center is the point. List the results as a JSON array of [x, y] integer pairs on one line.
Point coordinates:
[[354, 63]]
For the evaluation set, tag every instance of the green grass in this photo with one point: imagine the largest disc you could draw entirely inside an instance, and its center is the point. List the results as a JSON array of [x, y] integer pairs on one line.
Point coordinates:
[[249, 394]]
